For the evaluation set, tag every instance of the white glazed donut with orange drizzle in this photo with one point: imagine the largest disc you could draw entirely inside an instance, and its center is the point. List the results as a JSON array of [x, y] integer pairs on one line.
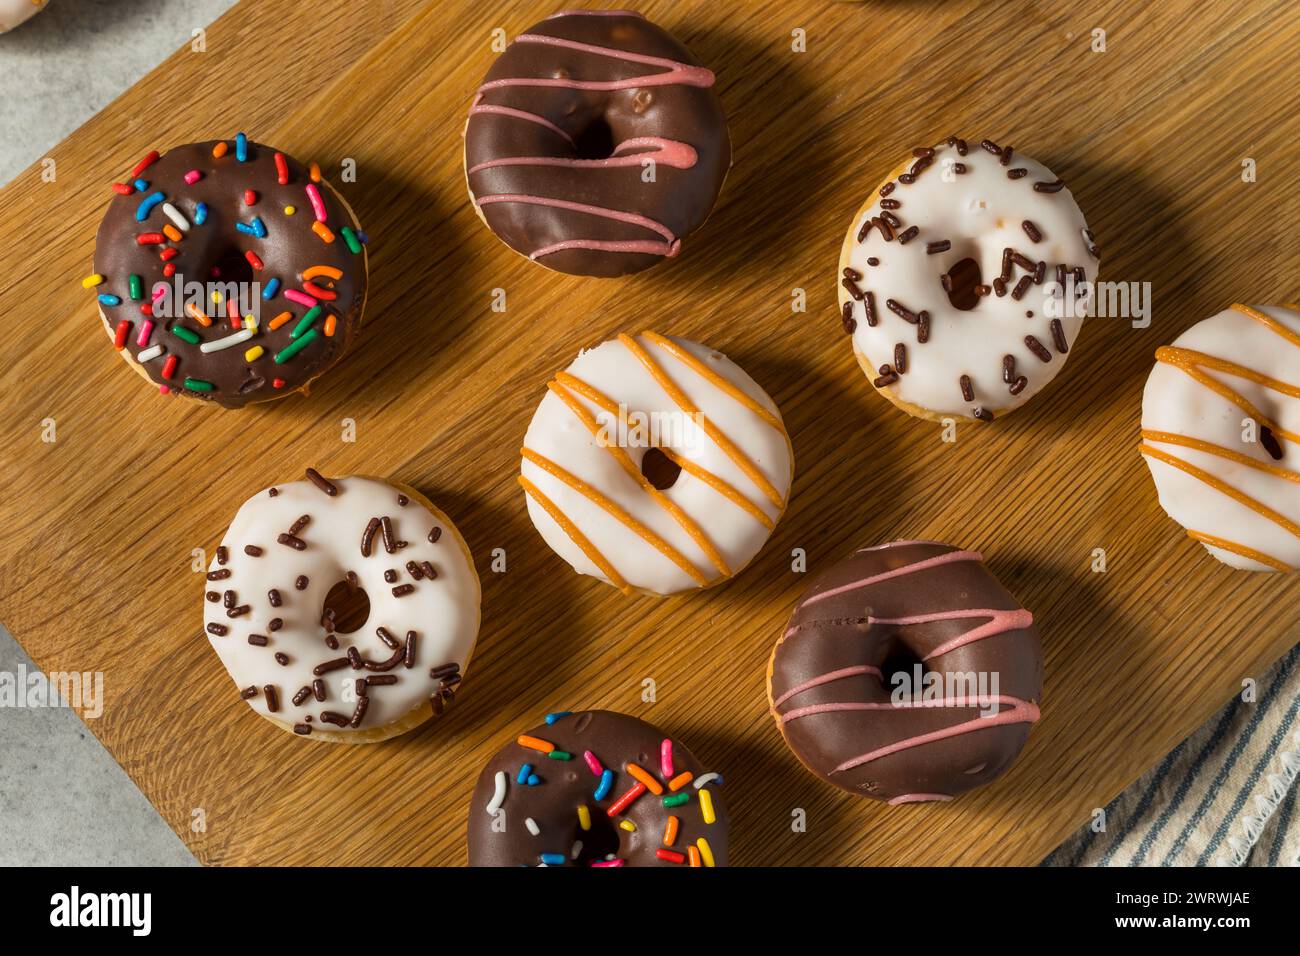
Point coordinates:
[[656, 464], [1221, 434]]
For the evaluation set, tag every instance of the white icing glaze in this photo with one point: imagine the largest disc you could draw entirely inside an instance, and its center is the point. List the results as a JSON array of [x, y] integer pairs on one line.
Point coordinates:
[[444, 613], [1176, 404], [558, 435], [980, 212], [14, 12]]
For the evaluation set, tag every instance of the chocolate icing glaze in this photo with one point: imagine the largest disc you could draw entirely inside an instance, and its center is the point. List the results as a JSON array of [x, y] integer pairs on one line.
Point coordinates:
[[569, 124], [839, 630], [564, 785], [289, 247]]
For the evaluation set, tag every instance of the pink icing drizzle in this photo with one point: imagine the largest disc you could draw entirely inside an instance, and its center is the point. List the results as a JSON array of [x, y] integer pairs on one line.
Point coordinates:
[[999, 622], [513, 113], [669, 152], [1022, 711], [938, 561], [674, 71], [918, 798], [826, 679]]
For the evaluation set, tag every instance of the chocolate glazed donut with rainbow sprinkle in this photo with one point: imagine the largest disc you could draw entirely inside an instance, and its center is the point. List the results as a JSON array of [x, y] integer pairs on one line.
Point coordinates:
[[597, 789], [596, 143], [907, 673], [229, 272]]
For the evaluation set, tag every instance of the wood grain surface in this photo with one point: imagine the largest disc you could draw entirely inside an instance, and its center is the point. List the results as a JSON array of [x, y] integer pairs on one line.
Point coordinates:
[[95, 555]]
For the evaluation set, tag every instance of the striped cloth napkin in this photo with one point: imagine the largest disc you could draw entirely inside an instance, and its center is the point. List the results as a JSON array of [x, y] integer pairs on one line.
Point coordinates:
[[1226, 796]]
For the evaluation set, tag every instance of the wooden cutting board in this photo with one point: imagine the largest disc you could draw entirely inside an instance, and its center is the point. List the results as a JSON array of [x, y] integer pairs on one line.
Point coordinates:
[[1151, 134]]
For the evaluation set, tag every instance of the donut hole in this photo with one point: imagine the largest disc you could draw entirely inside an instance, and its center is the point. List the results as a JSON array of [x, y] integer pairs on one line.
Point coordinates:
[[959, 283], [346, 608], [900, 669], [660, 470], [600, 841], [231, 265], [596, 141]]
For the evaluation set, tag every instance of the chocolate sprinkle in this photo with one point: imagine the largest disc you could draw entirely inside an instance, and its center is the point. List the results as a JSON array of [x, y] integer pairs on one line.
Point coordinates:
[[223, 555], [1053, 187], [219, 575], [907, 235], [900, 358], [303, 693], [301, 523], [847, 320], [387, 638], [331, 717], [327, 666], [403, 589], [982, 413], [943, 245], [1038, 348], [301, 583], [1008, 368], [292, 541], [272, 698], [1031, 231], [258, 640], [324, 484], [402, 500], [1018, 173], [248, 693], [302, 729], [390, 575], [274, 597], [869, 305], [213, 596], [381, 679], [967, 391], [1058, 337], [1018, 385], [359, 714], [318, 689], [434, 534], [386, 530], [408, 650], [282, 658], [218, 629]]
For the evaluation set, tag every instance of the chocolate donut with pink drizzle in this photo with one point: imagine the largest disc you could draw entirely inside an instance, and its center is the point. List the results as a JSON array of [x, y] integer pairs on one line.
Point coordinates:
[[596, 143], [907, 673]]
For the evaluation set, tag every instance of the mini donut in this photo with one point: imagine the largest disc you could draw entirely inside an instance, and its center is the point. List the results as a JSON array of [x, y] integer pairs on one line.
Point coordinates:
[[656, 464], [345, 610], [907, 608], [1221, 434], [596, 143], [16, 12], [600, 789], [964, 281], [229, 272]]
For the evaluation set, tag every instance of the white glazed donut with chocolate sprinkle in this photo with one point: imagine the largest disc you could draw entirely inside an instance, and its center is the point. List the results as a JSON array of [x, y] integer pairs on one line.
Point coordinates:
[[964, 280], [345, 610]]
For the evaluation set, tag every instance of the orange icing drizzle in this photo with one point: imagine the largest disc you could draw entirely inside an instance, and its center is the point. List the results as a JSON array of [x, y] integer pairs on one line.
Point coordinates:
[[1240, 549], [741, 460], [1192, 363], [1198, 444], [621, 456], [720, 485], [580, 539], [1223, 487], [613, 508]]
